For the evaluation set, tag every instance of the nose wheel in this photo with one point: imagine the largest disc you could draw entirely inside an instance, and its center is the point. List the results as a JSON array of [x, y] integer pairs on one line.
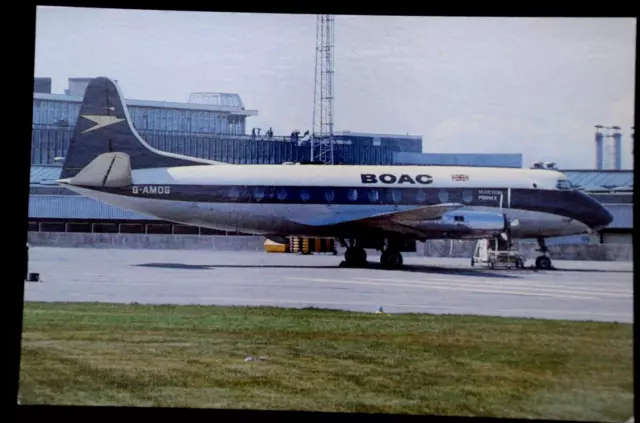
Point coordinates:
[[543, 261]]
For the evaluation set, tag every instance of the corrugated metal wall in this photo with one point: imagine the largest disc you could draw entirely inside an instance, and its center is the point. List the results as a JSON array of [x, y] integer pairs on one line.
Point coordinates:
[[77, 207], [48, 143], [622, 216]]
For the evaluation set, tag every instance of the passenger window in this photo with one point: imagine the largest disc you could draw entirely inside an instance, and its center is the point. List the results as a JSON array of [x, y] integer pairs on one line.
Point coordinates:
[[467, 196], [258, 193], [352, 194], [329, 195], [394, 196]]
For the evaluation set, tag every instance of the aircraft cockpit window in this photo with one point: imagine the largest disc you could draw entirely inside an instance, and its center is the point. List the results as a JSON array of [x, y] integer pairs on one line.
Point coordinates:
[[563, 184]]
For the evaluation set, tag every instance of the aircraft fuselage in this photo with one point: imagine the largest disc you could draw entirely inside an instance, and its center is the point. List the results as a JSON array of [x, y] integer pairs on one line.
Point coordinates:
[[310, 200]]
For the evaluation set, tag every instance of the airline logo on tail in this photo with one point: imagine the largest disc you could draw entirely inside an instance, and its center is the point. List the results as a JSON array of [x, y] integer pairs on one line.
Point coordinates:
[[101, 120]]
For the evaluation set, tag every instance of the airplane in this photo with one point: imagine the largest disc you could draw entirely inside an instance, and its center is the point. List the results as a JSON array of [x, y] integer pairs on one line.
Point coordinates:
[[386, 208]]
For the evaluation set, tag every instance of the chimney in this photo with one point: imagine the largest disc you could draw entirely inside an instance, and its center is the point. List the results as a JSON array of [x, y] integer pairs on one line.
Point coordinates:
[[599, 148], [617, 148]]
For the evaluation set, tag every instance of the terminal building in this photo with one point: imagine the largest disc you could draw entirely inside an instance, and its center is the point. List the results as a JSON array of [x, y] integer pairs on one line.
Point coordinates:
[[210, 125], [214, 126]]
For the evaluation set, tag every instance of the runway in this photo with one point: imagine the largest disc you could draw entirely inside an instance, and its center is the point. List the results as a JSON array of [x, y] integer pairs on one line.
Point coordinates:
[[601, 291]]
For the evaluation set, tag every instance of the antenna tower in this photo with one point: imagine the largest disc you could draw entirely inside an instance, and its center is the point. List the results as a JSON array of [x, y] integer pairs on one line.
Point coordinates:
[[322, 135]]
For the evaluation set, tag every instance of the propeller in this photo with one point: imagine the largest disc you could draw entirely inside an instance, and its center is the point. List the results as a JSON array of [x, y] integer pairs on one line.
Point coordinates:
[[506, 234], [508, 224]]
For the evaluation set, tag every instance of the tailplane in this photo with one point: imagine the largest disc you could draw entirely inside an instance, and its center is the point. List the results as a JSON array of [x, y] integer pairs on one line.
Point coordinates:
[[104, 126]]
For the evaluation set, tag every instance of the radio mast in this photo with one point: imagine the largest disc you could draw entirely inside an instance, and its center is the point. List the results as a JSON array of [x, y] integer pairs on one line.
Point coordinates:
[[322, 134]]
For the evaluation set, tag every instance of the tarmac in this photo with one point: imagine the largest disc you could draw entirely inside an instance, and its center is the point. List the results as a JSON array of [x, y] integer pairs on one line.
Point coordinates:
[[576, 290]]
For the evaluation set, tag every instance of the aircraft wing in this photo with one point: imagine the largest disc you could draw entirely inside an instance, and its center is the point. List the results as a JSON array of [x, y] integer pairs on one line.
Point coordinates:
[[399, 220]]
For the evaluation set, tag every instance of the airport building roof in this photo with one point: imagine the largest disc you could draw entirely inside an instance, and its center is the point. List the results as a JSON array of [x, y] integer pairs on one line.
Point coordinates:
[[467, 159], [235, 110], [601, 180], [44, 174]]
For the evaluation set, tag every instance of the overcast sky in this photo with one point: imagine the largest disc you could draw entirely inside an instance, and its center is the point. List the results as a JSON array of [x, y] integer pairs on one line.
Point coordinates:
[[535, 86]]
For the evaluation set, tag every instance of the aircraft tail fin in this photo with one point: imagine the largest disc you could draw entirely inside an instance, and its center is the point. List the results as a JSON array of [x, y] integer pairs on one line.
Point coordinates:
[[105, 126]]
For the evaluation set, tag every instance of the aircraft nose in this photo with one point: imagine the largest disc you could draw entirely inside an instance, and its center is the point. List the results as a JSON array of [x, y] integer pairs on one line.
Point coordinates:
[[591, 212], [600, 217], [603, 219]]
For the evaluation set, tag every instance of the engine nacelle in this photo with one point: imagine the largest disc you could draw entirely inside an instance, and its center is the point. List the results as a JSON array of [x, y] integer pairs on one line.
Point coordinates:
[[465, 224], [475, 220]]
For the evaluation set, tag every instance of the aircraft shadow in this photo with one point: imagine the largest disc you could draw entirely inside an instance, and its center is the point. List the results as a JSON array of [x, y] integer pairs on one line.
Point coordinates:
[[214, 266], [559, 269], [372, 266]]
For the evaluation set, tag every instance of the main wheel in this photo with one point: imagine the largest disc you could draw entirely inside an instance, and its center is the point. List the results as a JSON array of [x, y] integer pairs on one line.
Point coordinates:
[[391, 260], [543, 262], [355, 256]]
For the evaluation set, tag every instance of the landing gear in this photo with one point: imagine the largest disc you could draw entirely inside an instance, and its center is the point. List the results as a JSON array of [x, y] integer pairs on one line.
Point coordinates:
[[543, 261], [356, 256], [391, 259]]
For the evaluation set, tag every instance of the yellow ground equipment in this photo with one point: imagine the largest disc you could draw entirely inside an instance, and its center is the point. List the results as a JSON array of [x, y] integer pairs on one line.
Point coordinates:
[[274, 247], [312, 245]]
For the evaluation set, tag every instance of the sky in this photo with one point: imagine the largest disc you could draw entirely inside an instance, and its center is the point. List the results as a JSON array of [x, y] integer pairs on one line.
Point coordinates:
[[535, 86]]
